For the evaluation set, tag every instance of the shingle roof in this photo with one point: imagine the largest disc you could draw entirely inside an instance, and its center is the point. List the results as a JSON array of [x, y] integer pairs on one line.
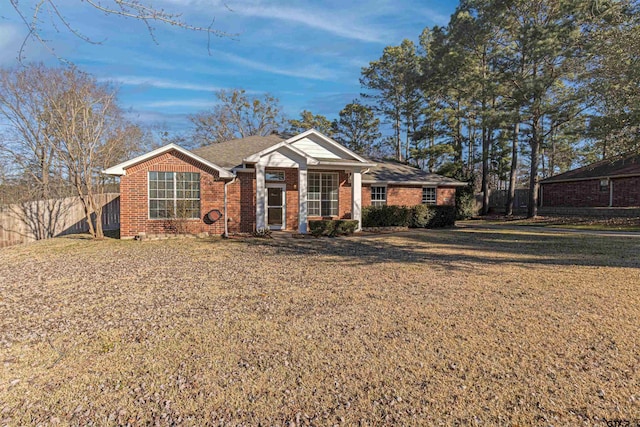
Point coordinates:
[[616, 166], [393, 172], [229, 154]]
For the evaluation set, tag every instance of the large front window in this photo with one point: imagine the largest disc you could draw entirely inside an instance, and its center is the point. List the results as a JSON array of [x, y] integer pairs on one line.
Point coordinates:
[[322, 194], [174, 195]]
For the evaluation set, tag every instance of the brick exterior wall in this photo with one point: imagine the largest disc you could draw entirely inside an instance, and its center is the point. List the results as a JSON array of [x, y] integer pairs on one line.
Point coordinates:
[[626, 193], [410, 195], [134, 202], [241, 198]]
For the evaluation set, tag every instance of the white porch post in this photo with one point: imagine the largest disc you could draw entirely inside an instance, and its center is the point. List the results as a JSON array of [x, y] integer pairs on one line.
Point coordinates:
[[356, 198], [260, 188], [302, 199]]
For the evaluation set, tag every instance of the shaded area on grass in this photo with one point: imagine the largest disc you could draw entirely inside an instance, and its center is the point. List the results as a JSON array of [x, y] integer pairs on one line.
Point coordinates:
[[460, 248], [410, 329]]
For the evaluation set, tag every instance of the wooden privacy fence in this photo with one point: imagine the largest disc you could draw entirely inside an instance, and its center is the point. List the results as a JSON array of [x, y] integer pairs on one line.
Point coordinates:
[[30, 221], [498, 201]]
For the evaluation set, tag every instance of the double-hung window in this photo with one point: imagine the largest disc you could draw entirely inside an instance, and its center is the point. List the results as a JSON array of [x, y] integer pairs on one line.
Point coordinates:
[[174, 195], [429, 195], [322, 193], [378, 196]]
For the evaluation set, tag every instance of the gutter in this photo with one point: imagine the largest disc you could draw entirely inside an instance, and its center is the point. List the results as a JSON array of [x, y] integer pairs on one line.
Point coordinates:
[[226, 224]]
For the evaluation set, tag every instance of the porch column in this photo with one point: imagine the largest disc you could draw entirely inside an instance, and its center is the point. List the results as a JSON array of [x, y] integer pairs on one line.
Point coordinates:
[[260, 188], [302, 199], [356, 198]]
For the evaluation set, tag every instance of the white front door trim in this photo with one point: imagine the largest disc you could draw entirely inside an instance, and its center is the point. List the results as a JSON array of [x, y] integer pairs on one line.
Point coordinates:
[[283, 188]]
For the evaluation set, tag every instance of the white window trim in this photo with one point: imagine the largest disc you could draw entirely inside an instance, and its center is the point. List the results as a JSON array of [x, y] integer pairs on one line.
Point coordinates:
[[337, 175], [386, 195], [175, 198], [435, 199]]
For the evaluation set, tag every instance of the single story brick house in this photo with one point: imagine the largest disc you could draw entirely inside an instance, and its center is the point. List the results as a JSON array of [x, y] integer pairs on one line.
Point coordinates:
[[264, 182], [613, 183]]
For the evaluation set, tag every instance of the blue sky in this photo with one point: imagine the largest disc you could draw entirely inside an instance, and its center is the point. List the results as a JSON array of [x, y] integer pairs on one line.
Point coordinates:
[[306, 53]]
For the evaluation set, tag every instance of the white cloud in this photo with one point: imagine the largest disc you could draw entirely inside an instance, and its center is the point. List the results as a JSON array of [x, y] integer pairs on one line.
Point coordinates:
[[191, 103], [329, 22], [159, 83], [313, 72]]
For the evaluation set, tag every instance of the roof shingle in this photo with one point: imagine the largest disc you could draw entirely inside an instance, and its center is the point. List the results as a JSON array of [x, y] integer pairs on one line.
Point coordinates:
[[615, 166], [229, 154]]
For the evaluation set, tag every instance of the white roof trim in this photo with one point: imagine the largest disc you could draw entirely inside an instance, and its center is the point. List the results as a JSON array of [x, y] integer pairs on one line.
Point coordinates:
[[284, 144], [120, 169], [347, 163], [330, 141], [422, 183]]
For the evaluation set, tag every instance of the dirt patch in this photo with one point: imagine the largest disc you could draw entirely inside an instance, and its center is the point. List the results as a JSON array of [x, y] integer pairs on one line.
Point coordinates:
[[441, 326]]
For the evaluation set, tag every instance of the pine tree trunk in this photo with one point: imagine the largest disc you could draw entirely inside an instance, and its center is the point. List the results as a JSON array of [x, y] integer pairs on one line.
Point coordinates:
[[485, 171], [532, 209], [513, 173]]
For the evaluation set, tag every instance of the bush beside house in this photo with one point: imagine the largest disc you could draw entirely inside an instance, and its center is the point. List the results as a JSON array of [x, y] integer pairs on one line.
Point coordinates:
[[339, 227], [419, 216]]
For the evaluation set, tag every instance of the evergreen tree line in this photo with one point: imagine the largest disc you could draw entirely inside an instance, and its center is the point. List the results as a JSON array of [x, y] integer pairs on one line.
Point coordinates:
[[540, 84]]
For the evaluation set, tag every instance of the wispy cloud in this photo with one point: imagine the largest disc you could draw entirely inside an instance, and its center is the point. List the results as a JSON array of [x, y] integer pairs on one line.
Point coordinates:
[[190, 103], [329, 22], [314, 72], [159, 83]]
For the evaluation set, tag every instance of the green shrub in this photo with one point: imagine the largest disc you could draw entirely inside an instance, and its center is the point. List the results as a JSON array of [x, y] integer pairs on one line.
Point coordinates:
[[465, 202], [428, 216], [328, 227], [419, 216], [386, 216], [262, 233], [346, 226]]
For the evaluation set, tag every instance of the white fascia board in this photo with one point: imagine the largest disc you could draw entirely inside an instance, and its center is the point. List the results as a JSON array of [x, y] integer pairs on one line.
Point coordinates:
[[346, 164], [120, 169], [423, 183], [254, 158], [327, 140]]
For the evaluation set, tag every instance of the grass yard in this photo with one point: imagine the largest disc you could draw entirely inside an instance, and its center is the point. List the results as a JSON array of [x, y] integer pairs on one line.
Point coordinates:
[[570, 222], [436, 327]]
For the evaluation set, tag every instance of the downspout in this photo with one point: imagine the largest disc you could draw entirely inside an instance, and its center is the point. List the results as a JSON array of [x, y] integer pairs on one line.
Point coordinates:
[[610, 193], [226, 224]]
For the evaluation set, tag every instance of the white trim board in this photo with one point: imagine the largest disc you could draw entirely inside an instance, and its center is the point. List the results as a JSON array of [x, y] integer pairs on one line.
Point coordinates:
[[121, 169]]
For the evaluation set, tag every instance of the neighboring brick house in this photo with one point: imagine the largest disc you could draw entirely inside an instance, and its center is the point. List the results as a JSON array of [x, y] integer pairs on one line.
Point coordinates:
[[610, 183], [263, 182]]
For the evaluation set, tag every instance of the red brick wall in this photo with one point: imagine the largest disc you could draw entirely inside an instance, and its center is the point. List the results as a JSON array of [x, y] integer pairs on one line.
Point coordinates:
[[241, 203], [410, 195], [134, 204], [446, 196], [626, 191], [578, 193]]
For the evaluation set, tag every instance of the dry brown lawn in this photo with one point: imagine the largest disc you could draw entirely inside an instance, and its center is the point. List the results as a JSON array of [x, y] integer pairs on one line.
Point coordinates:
[[454, 327]]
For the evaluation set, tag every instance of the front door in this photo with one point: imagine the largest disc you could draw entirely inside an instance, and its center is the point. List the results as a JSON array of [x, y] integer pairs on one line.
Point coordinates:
[[276, 206]]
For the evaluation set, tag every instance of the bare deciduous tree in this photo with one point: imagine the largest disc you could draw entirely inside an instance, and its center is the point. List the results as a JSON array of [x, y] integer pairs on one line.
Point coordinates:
[[237, 116], [35, 15], [28, 151], [89, 133], [62, 128]]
